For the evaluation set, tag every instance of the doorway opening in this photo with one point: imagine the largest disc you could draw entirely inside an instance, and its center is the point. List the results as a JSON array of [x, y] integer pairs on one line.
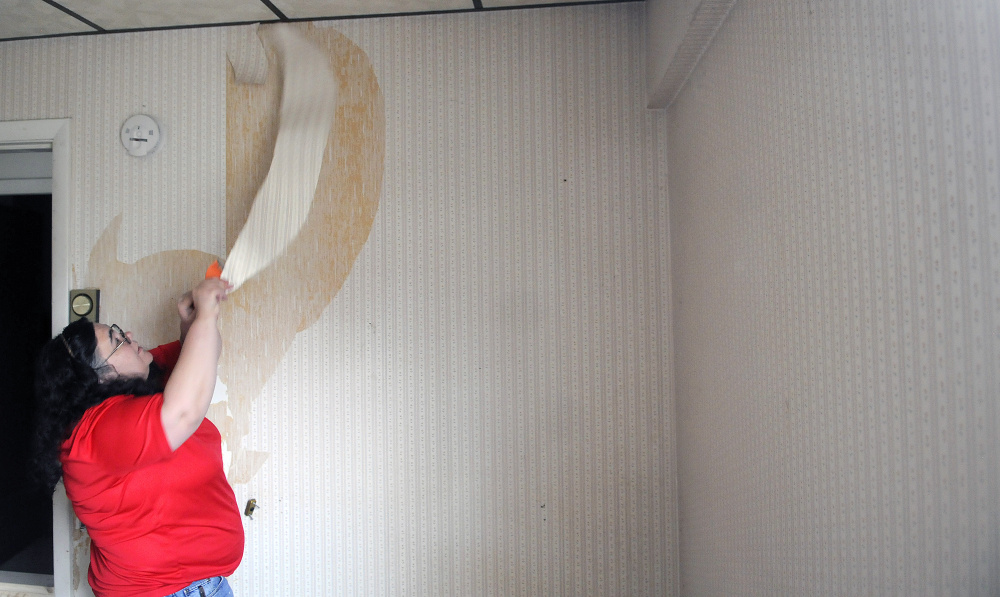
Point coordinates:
[[49, 139], [26, 549]]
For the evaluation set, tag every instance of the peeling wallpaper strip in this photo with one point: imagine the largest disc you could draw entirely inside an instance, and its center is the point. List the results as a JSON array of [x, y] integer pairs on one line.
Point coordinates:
[[835, 219], [290, 294], [484, 407]]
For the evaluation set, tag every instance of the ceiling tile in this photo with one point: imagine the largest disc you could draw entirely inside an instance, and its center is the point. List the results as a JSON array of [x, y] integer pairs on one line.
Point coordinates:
[[141, 14], [35, 18], [316, 9], [506, 3]]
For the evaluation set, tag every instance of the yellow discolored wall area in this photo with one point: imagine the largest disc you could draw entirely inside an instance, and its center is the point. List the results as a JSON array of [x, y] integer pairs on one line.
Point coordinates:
[[261, 318]]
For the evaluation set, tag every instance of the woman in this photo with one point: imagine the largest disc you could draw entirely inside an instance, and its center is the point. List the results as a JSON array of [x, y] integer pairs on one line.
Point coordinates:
[[126, 429]]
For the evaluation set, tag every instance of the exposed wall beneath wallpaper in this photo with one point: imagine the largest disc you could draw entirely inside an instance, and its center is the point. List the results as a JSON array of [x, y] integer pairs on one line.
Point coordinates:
[[835, 211], [289, 295], [484, 407]]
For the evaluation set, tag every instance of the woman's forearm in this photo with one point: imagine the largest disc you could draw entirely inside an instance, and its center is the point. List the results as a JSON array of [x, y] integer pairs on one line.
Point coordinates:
[[189, 390]]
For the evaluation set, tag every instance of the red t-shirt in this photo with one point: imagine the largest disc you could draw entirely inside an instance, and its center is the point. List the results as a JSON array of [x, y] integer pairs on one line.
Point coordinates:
[[158, 519]]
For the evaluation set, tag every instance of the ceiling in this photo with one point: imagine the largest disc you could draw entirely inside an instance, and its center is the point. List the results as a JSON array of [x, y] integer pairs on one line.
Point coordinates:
[[20, 19]]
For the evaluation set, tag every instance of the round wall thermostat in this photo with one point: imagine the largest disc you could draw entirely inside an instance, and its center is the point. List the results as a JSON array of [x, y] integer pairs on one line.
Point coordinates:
[[84, 302], [140, 135], [82, 305]]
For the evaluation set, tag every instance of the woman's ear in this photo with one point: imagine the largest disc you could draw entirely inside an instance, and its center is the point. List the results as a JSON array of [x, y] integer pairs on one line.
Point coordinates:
[[106, 373]]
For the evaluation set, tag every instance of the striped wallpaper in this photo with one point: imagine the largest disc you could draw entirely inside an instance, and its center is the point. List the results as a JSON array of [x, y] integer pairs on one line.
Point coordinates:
[[489, 411], [835, 220], [176, 76], [485, 406]]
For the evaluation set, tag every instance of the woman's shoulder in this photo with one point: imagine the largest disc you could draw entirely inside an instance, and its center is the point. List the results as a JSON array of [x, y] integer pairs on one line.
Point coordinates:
[[123, 403], [113, 422], [123, 412]]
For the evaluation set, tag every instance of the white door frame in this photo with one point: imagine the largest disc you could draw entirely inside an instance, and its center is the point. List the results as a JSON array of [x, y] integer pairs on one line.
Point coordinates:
[[55, 134]]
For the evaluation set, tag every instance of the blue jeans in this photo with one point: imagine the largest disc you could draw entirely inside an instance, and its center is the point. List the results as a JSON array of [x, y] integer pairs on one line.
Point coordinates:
[[217, 586]]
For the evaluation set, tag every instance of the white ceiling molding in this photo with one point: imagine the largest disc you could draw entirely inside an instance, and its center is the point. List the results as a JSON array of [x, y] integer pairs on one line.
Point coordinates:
[[678, 33]]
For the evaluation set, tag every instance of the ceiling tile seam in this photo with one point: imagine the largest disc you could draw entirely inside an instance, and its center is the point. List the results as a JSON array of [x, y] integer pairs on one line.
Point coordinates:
[[144, 29], [274, 9], [54, 4]]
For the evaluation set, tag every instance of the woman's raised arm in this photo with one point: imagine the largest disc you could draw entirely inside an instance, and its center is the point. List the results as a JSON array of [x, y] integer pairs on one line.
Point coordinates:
[[188, 392]]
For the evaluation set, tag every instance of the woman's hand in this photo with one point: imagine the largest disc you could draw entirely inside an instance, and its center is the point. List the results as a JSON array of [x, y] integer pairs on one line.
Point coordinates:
[[207, 297], [208, 294]]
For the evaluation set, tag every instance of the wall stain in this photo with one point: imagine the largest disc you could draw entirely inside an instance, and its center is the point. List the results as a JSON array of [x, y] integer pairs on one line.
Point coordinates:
[[260, 319]]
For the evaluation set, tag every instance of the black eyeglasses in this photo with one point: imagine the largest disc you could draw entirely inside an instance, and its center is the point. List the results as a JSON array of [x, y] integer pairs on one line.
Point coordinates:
[[123, 340]]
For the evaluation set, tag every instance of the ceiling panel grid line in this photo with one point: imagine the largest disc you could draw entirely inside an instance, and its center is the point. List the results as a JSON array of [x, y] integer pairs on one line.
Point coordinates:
[[32, 19]]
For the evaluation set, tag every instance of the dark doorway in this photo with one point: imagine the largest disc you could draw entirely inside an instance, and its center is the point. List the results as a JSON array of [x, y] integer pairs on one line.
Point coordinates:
[[26, 304]]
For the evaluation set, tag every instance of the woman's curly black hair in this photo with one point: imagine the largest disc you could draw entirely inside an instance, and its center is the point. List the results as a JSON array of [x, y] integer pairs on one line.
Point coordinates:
[[68, 381]]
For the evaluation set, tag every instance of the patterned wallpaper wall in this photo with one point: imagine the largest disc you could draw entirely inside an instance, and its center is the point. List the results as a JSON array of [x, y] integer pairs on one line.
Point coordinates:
[[179, 77], [484, 407], [835, 221]]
